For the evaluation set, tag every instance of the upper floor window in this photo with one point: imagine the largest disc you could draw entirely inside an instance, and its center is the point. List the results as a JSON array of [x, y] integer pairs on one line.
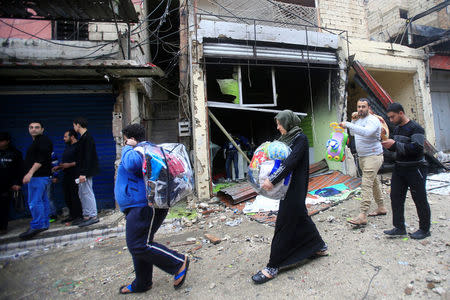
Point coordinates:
[[70, 31], [403, 13]]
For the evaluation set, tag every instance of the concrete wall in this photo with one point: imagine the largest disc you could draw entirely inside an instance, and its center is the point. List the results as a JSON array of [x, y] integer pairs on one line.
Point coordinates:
[[347, 15], [402, 73], [39, 28], [34, 49], [384, 20]]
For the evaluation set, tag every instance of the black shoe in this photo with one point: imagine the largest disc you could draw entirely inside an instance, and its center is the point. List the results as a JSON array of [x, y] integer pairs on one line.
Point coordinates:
[[420, 234], [395, 232], [30, 233], [90, 221], [260, 278], [77, 221]]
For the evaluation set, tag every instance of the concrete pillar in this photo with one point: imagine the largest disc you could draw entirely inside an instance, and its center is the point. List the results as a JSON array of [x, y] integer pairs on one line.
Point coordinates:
[[423, 102], [200, 133], [130, 102]]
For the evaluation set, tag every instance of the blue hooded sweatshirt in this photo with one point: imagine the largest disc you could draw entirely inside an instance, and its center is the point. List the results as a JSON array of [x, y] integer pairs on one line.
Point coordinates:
[[130, 186]]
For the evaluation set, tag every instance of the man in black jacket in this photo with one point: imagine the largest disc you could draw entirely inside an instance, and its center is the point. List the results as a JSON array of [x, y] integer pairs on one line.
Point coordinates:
[[88, 167], [11, 174], [70, 170], [410, 172], [38, 165]]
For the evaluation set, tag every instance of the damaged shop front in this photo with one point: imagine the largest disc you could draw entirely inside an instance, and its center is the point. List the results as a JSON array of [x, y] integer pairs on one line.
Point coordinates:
[[246, 71]]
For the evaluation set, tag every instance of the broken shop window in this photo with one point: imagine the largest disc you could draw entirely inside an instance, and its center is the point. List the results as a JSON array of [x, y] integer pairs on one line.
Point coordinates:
[[252, 86]]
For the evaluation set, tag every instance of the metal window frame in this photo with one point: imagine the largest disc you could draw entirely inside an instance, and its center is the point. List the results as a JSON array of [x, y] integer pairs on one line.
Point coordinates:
[[274, 91]]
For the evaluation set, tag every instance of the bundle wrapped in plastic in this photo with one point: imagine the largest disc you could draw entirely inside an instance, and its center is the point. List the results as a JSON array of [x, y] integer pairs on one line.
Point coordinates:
[[266, 160], [167, 173]]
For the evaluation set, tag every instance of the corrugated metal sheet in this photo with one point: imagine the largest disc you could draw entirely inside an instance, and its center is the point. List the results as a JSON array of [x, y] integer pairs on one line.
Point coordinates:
[[237, 193], [224, 50], [330, 178], [440, 62], [57, 113]]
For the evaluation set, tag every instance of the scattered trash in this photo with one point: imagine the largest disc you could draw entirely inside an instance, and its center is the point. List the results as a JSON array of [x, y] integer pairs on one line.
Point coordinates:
[[403, 263], [66, 285], [409, 289], [212, 286], [431, 285], [261, 204], [203, 205], [233, 223], [405, 239], [434, 279], [330, 219], [213, 239], [183, 244], [191, 239], [439, 290]]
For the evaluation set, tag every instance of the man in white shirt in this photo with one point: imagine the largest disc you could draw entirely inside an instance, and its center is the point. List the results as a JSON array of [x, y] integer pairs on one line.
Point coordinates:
[[367, 130]]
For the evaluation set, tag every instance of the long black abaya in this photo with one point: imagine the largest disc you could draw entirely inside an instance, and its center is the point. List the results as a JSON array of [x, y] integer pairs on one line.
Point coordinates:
[[296, 236]]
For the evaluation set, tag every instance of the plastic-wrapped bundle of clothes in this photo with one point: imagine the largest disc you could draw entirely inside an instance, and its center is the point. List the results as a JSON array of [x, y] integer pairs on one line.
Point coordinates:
[[167, 173], [266, 160]]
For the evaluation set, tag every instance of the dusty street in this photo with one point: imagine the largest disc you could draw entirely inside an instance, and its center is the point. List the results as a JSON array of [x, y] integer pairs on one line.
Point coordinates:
[[363, 264]]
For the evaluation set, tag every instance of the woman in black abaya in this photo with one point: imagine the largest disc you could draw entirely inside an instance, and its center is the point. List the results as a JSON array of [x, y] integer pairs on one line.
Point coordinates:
[[296, 236]]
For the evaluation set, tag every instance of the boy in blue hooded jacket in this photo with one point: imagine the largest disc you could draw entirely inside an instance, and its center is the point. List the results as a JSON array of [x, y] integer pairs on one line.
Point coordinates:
[[143, 220]]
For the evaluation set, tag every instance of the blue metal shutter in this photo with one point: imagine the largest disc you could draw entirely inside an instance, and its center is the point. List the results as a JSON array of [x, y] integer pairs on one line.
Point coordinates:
[[57, 113]]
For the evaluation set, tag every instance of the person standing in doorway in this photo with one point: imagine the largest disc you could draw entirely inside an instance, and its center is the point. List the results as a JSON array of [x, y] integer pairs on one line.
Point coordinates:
[[367, 131], [410, 171], [11, 174], [88, 167], [38, 165], [70, 170]]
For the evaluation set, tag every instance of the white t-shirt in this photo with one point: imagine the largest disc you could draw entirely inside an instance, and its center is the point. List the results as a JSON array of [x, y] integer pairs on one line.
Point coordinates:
[[367, 132]]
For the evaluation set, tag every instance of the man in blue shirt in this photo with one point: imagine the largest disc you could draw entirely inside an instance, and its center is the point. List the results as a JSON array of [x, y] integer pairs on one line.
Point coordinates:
[[143, 220]]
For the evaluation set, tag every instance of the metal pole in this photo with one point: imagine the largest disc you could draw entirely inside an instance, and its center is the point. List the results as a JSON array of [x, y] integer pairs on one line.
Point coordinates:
[[129, 42], [227, 135]]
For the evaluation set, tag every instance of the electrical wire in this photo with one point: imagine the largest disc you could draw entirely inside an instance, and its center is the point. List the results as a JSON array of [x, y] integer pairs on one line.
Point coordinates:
[[117, 29], [50, 41]]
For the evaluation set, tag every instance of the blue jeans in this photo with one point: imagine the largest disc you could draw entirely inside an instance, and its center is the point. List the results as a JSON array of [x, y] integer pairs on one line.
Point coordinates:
[[232, 156], [51, 198], [38, 202]]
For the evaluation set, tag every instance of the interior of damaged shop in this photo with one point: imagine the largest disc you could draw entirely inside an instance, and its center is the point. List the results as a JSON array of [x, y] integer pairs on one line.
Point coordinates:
[[245, 98]]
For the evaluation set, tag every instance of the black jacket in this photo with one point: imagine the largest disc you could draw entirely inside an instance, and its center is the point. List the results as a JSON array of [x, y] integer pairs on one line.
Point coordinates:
[[409, 144], [11, 168], [87, 161], [40, 151]]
